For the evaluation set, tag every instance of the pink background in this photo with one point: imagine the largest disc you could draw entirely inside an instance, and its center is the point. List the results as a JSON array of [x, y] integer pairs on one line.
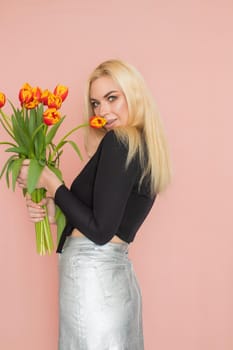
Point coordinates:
[[183, 253]]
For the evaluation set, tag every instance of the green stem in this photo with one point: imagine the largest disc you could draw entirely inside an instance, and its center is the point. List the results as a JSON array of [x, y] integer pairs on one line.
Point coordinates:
[[6, 119], [8, 143], [44, 241], [47, 234], [7, 130], [68, 134]]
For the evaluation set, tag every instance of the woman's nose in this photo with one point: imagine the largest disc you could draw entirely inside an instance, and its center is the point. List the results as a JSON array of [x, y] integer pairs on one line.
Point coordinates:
[[103, 108]]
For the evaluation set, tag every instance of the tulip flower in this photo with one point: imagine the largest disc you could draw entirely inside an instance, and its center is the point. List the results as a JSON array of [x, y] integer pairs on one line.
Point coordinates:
[[2, 99], [54, 101], [31, 104], [51, 116], [26, 86], [62, 91], [36, 93], [25, 96], [97, 122], [44, 97]]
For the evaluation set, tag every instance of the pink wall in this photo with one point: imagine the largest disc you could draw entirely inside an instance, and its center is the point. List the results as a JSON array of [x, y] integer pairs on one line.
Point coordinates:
[[183, 253]]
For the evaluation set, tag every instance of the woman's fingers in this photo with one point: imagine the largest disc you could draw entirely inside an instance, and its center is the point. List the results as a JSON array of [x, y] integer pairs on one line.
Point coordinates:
[[35, 210], [36, 214], [23, 174], [26, 162]]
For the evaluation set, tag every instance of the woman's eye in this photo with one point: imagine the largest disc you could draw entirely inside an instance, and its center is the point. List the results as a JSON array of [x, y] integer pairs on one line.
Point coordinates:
[[112, 98], [94, 104]]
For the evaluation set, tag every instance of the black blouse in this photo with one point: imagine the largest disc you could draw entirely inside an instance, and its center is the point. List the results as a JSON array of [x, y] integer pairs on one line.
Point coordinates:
[[105, 198]]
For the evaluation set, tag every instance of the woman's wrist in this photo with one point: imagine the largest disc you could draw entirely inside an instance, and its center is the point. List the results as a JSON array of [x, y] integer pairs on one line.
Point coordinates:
[[50, 181]]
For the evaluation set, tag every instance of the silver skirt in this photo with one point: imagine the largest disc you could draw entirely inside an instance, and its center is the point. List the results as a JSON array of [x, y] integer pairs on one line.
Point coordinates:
[[100, 300]]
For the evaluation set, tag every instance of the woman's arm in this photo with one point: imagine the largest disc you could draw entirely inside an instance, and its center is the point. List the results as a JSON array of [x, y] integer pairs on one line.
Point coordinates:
[[111, 189]]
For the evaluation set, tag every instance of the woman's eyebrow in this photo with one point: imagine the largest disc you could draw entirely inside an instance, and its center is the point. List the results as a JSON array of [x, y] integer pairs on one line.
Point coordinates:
[[109, 93], [106, 95]]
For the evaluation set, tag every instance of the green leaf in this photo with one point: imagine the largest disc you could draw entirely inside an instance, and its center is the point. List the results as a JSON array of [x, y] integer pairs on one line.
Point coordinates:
[[75, 147], [60, 221], [13, 107], [6, 165], [31, 123], [38, 142], [34, 172], [36, 131], [55, 153], [19, 150], [7, 143], [8, 171], [56, 171], [52, 132], [15, 169], [22, 136], [7, 129]]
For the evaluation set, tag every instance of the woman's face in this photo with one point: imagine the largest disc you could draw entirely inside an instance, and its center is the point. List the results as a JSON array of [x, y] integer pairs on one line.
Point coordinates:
[[108, 101]]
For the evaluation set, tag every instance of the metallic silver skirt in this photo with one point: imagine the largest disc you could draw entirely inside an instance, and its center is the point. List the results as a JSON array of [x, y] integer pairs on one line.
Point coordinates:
[[100, 300]]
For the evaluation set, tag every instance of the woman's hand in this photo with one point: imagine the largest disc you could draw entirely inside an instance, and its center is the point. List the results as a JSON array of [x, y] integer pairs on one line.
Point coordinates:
[[47, 180], [37, 212], [23, 174]]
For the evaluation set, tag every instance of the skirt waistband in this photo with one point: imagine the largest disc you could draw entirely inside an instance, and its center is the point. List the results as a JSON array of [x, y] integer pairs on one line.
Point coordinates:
[[84, 246]]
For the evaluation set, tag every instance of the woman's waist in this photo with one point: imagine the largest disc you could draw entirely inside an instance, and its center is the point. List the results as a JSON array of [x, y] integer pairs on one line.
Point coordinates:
[[77, 243], [76, 233]]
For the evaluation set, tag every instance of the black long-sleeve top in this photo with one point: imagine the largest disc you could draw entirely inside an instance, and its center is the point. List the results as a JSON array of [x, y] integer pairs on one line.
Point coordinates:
[[105, 198]]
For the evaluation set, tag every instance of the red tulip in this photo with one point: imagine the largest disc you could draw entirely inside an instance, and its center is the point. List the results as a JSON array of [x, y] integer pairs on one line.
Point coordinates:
[[36, 92], [62, 91], [32, 104], [25, 96], [54, 101], [2, 99], [44, 97], [97, 122], [51, 116]]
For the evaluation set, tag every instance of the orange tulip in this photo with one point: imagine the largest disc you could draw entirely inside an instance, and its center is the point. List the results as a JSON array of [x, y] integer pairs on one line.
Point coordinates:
[[62, 91], [97, 122], [26, 86], [54, 101], [36, 93], [2, 99], [29, 96], [32, 104], [51, 116], [44, 97], [25, 96]]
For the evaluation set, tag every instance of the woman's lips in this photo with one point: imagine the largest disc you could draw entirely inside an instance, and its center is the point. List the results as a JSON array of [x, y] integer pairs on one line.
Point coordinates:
[[109, 122]]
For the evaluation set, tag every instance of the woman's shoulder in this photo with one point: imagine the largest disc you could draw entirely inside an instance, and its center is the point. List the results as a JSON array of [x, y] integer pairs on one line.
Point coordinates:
[[111, 141]]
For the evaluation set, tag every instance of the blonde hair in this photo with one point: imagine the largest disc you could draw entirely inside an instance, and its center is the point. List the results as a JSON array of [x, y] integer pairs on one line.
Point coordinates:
[[144, 124]]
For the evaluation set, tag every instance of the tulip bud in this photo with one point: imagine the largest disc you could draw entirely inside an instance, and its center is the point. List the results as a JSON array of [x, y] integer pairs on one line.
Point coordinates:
[[62, 91], [2, 99], [97, 122], [51, 116], [54, 101]]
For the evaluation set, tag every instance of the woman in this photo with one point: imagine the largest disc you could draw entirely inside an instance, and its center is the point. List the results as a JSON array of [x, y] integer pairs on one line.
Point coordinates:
[[100, 300]]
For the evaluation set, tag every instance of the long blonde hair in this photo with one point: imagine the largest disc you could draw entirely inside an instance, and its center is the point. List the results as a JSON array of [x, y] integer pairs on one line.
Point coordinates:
[[143, 121]]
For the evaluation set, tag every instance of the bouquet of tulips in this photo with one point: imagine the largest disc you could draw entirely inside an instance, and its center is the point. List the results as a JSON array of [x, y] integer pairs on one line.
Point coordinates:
[[32, 128]]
